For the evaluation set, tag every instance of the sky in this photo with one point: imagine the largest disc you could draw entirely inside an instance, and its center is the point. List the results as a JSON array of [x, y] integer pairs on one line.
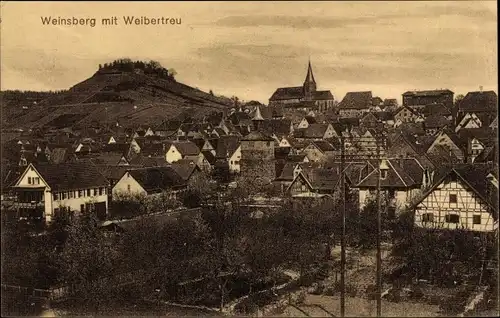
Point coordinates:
[[249, 49]]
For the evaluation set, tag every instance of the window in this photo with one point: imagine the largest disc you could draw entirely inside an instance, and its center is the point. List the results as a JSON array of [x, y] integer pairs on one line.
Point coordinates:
[[476, 219], [88, 192], [453, 198], [37, 180], [391, 193], [82, 207], [80, 193], [95, 192], [427, 217], [383, 174], [71, 194], [29, 180], [56, 196], [452, 218], [101, 190], [64, 195]]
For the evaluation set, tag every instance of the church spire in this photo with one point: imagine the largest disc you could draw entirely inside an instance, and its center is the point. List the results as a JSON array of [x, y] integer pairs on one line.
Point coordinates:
[[310, 75], [309, 83]]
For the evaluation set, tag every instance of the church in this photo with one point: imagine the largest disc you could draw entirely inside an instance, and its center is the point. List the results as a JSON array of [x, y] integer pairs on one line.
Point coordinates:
[[305, 96]]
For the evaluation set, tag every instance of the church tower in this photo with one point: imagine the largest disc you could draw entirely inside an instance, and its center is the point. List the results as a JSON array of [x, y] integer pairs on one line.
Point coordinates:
[[309, 84]]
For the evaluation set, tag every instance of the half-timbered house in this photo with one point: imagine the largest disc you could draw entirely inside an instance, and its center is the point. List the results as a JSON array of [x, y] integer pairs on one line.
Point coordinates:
[[462, 197]]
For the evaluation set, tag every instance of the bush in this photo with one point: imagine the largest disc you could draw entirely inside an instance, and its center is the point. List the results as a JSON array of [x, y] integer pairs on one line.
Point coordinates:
[[394, 295]]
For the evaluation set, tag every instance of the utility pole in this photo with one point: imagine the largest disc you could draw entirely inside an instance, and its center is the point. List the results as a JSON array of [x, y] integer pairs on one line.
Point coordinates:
[[379, 232], [342, 239]]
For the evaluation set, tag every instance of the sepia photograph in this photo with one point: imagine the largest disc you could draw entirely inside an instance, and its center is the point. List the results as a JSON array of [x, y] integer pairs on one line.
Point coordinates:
[[249, 159]]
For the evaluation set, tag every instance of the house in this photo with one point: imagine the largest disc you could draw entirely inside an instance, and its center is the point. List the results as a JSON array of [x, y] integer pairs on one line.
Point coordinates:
[[355, 104], [406, 114], [455, 145], [477, 139], [312, 181], [168, 128], [306, 121], [229, 148], [278, 127], [434, 123], [418, 100], [150, 181], [177, 150], [370, 120], [400, 182], [479, 102], [285, 174], [461, 197], [469, 120], [316, 132], [186, 169], [318, 151], [293, 96], [48, 190]]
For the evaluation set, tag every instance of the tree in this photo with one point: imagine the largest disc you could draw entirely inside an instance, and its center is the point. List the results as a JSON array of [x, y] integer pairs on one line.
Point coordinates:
[[86, 261], [155, 65], [172, 72], [225, 222], [459, 98]]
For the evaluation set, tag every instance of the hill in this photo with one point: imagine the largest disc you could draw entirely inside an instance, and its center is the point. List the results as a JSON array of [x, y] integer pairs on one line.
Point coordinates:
[[129, 96]]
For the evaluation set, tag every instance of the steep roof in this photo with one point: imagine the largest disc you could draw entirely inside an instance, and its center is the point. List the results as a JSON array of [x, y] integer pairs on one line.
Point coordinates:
[[436, 92], [436, 121], [186, 148], [169, 125], [441, 155], [256, 136], [227, 145], [321, 178], [479, 101], [184, 168], [152, 149], [356, 100], [313, 131], [157, 179], [111, 158], [401, 174], [146, 161], [475, 176], [323, 145], [120, 148], [288, 93], [209, 156], [436, 109], [71, 176], [323, 95], [280, 127]]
